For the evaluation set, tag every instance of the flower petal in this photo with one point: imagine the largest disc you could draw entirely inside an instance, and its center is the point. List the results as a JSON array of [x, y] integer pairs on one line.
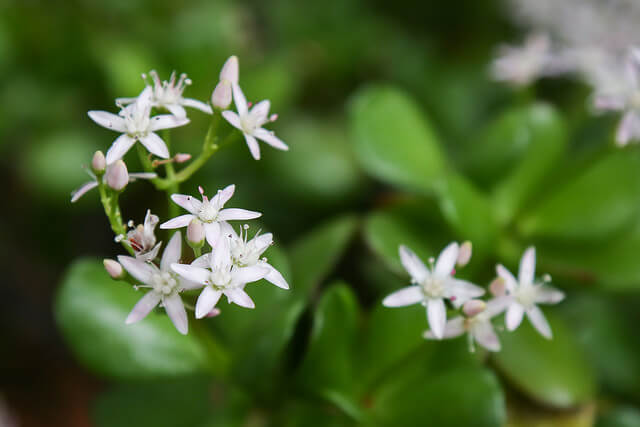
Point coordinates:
[[172, 252], [198, 105], [143, 307], [212, 233], [239, 99], [177, 222], [244, 275], [510, 282], [155, 145], [108, 120], [275, 277], [237, 214], [514, 316], [76, 194], [446, 260], [189, 203], [260, 111], [270, 138], [176, 312], [485, 335], [201, 261], [437, 316], [119, 148], [253, 145], [166, 121], [527, 268], [206, 301], [177, 110], [629, 128], [140, 270], [549, 295], [405, 296], [453, 328], [239, 297], [233, 118], [461, 291], [497, 305], [539, 322], [223, 196], [413, 264], [194, 274]]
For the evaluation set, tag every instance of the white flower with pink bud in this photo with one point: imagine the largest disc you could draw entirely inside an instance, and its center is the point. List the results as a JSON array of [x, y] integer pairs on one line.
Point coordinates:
[[142, 238], [431, 286], [223, 93], [209, 211]]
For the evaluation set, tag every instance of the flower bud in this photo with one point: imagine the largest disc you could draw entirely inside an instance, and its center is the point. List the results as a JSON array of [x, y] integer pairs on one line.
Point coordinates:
[[182, 157], [213, 313], [195, 233], [98, 163], [222, 95], [464, 254], [117, 175], [497, 287], [473, 307], [114, 269], [229, 70]]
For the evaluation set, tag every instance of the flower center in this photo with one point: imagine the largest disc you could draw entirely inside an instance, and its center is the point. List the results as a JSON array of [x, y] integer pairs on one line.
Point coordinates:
[[208, 212], [526, 295], [248, 123], [220, 279], [433, 287], [164, 283]]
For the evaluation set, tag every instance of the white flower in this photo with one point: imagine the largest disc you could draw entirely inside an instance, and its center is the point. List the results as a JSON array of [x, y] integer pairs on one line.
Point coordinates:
[[250, 122], [142, 238], [522, 65], [223, 278], [476, 324], [524, 294], [164, 285], [168, 95], [79, 192], [135, 123], [247, 253], [210, 212], [432, 286], [624, 97]]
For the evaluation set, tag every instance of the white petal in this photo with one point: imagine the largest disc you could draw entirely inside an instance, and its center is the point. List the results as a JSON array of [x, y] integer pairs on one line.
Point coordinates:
[[485, 336], [142, 175], [178, 315], [237, 214], [155, 145], [412, 263], [549, 295], [140, 270], [177, 222], [230, 70], [190, 203], [206, 301], [437, 316], [405, 296], [76, 194], [239, 99], [201, 261], [177, 110], [239, 297], [275, 277], [232, 118], [212, 233], [497, 305], [244, 275], [510, 282], [260, 111], [514, 316], [608, 102], [221, 257], [143, 307], [188, 285], [151, 255], [166, 121], [539, 321], [172, 252], [191, 273], [270, 138], [199, 105], [629, 128], [461, 291], [223, 196], [108, 120], [446, 260], [119, 148], [253, 145], [453, 328], [527, 266]]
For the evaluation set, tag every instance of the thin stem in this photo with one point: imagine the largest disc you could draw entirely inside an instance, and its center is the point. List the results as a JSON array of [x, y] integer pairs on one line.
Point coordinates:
[[145, 161], [174, 186], [197, 252], [109, 200]]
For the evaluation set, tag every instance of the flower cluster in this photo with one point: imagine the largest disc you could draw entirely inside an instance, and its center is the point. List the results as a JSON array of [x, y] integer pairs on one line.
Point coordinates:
[[232, 260], [433, 285]]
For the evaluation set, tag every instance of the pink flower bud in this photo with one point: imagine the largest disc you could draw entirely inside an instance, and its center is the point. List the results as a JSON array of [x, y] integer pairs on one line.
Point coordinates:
[[497, 287], [229, 70], [117, 175], [213, 313], [222, 95], [182, 157], [114, 269], [98, 163], [473, 307], [195, 233], [464, 254]]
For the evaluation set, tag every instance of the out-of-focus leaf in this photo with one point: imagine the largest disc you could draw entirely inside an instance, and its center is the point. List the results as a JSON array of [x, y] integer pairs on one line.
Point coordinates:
[[123, 63], [394, 141], [297, 413], [542, 132], [522, 415], [624, 416], [328, 369], [315, 254], [600, 201], [551, 372], [91, 309]]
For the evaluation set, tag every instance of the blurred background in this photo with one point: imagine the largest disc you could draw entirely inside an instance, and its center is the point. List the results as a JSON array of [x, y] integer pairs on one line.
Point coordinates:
[[325, 66]]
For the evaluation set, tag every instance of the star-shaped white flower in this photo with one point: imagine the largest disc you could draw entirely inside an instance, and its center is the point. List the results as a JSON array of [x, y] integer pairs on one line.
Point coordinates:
[[522, 65], [84, 188], [250, 123], [247, 253], [136, 124], [210, 212], [432, 286], [142, 238], [222, 278], [168, 95], [477, 324], [164, 285], [525, 293]]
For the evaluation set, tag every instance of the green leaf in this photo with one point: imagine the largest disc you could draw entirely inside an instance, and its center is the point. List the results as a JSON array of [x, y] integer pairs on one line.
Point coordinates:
[[90, 310], [622, 416], [543, 133], [394, 141], [328, 367], [315, 254], [297, 413], [551, 372], [602, 200]]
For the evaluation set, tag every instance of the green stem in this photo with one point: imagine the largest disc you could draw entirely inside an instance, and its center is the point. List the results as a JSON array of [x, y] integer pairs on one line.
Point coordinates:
[[145, 161], [197, 252], [109, 199], [173, 186]]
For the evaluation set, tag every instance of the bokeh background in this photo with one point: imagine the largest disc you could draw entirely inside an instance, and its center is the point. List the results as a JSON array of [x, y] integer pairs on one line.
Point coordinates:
[[329, 68]]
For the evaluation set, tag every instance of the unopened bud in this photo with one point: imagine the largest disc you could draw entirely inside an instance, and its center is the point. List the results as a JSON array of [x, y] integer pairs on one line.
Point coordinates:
[[195, 233], [117, 175], [473, 307], [222, 95], [229, 70], [182, 157], [114, 269], [497, 287], [98, 163], [213, 313], [464, 254]]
